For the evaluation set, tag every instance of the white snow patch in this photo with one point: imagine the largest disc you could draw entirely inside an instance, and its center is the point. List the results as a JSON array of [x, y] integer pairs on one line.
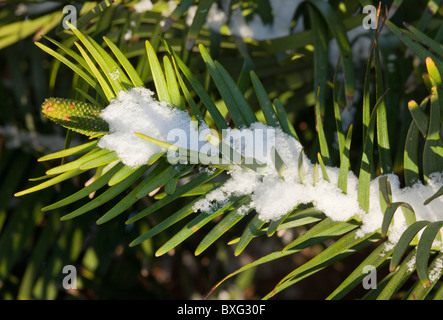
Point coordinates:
[[411, 263], [283, 13], [115, 74], [128, 35], [171, 7], [138, 111], [215, 19], [143, 5], [435, 272], [274, 196]]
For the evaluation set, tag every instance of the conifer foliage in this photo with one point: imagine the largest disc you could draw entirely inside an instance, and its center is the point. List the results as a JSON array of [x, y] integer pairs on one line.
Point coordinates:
[[360, 173]]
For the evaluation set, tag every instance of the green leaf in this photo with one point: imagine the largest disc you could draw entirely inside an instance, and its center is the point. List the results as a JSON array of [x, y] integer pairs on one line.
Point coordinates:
[[301, 167], [389, 214], [199, 89], [315, 174], [177, 13], [231, 155], [285, 123], [421, 119], [237, 95], [155, 179], [424, 250], [187, 94], [339, 32], [197, 191], [344, 163], [365, 174], [321, 63], [433, 72], [201, 179], [103, 83], [90, 99], [100, 161], [433, 149], [169, 173], [404, 241], [115, 75], [192, 227], [143, 67], [62, 177], [343, 247], [244, 79], [296, 218], [410, 156], [324, 149], [439, 193], [173, 89], [299, 219], [152, 159], [436, 80], [425, 39], [223, 226], [198, 22], [337, 114], [108, 195], [427, 14], [384, 148], [264, 101], [374, 259], [250, 231], [182, 213], [94, 186], [301, 215], [400, 276], [321, 231], [278, 162], [97, 152], [132, 73], [157, 74], [275, 224], [301, 39], [439, 294], [100, 57], [72, 54], [385, 192], [91, 14], [420, 292], [171, 185], [419, 50], [185, 154], [323, 168], [265, 259], [121, 174], [427, 81], [74, 68], [69, 152], [366, 113], [223, 88]]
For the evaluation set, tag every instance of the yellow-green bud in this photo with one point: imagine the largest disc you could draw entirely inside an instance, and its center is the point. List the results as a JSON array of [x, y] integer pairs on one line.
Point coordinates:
[[75, 115]]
